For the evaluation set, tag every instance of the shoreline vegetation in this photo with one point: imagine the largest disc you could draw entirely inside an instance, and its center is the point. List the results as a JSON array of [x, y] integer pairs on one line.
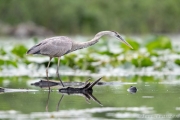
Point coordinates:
[[74, 17]]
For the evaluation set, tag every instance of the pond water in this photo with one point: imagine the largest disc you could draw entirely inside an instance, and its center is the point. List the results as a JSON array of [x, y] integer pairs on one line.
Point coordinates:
[[109, 100]]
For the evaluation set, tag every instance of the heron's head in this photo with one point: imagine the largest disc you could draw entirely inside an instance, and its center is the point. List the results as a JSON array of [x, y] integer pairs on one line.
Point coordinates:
[[118, 36]]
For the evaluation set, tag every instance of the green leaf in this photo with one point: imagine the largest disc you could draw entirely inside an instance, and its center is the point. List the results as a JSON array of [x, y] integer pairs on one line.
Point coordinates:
[[177, 62], [19, 50], [159, 43], [8, 63], [2, 51], [142, 61]]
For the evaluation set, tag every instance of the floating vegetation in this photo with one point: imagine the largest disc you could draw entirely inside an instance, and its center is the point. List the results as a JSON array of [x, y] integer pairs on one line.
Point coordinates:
[[149, 55]]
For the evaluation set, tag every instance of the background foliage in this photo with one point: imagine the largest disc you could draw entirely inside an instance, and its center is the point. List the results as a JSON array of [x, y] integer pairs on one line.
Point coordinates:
[[91, 16]]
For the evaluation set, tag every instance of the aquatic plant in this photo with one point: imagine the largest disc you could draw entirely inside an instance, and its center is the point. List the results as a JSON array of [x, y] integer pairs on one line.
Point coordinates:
[[151, 54]]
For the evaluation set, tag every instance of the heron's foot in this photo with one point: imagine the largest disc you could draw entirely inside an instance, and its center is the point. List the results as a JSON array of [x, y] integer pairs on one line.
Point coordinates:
[[57, 73]]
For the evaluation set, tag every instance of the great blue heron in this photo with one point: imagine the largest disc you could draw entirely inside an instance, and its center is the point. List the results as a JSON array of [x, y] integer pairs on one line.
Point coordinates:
[[61, 45]]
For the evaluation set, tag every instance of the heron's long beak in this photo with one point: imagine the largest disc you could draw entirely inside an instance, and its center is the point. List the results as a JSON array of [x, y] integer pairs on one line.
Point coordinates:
[[124, 41]]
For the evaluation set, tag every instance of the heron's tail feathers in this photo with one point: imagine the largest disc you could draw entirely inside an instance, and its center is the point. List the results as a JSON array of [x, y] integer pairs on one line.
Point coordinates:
[[34, 50]]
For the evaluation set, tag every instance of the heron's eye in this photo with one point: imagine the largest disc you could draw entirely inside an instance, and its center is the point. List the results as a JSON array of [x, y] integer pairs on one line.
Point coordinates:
[[117, 36]]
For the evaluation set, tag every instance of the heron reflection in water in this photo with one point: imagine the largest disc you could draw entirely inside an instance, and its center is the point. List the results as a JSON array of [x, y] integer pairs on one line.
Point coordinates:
[[62, 45]]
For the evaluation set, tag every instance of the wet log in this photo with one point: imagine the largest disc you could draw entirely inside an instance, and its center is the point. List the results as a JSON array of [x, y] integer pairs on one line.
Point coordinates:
[[86, 87], [1, 89]]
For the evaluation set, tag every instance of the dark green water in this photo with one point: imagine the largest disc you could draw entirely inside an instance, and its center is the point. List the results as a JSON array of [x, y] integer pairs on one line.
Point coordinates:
[[152, 100]]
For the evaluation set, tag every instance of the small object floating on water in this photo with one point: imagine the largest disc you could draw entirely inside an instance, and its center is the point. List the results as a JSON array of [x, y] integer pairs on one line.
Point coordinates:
[[132, 89], [1, 89]]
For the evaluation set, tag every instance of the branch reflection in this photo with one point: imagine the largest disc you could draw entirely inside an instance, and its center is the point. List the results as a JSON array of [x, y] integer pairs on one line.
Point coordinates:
[[84, 89]]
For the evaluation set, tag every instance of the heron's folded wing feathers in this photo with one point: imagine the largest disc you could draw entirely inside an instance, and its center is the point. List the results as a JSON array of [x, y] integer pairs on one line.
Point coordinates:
[[56, 46]]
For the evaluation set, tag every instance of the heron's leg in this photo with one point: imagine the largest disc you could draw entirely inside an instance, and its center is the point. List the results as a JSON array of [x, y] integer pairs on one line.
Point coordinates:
[[59, 102], [47, 103], [47, 71], [57, 72]]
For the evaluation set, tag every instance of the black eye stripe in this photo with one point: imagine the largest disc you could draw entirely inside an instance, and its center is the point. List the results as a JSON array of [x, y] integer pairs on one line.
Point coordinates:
[[118, 35]]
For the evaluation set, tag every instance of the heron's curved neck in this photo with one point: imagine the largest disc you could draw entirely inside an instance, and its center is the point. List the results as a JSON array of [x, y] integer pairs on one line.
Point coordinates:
[[93, 41]]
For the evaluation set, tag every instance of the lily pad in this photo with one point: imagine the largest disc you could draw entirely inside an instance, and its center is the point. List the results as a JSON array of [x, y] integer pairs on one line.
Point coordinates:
[[159, 43], [19, 50]]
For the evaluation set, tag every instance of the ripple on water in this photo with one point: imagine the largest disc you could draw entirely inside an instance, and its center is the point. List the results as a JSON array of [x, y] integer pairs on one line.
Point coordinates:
[[114, 112], [147, 96]]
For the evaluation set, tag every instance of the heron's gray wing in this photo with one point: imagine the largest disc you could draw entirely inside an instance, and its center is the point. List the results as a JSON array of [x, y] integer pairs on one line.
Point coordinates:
[[56, 46], [34, 49]]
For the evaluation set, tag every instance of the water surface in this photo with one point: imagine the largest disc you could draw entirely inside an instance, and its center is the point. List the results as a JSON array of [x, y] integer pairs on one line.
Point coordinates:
[[152, 100]]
